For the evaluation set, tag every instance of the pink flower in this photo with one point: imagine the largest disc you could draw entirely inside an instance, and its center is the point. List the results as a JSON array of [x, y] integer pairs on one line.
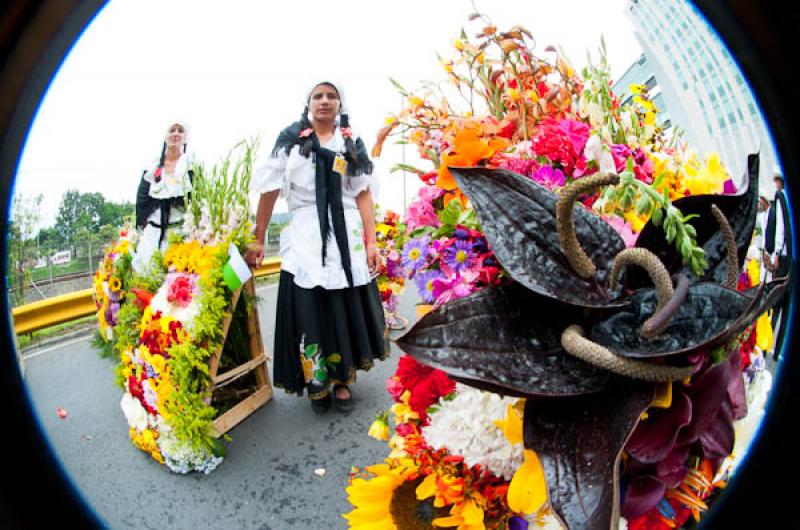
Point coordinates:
[[455, 287], [623, 228], [549, 177], [578, 133], [421, 213], [347, 132], [305, 133]]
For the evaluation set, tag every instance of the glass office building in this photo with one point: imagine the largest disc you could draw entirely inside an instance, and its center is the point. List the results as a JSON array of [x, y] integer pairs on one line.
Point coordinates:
[[696, 83]]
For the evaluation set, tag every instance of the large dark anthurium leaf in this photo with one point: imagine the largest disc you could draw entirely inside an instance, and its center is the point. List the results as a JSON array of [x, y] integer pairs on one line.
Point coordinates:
[[505, 339], [703, 320], [518, 217], [579, 440], [739, 209], [710, 316]]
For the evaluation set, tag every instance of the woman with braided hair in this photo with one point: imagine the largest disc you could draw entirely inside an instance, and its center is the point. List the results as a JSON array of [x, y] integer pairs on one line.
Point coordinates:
[[160, 198], [329, 320]]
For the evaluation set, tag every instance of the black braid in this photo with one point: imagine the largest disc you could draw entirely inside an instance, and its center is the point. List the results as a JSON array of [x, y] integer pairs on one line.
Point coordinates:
[[161, 161], [348, 142], [305, 150]]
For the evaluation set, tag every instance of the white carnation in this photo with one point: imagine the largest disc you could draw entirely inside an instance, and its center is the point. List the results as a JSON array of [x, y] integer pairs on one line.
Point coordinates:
[[465, 426], [134, 412]]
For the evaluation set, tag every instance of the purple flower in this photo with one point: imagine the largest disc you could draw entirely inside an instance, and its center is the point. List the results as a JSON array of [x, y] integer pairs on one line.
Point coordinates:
[[517, 523], [728, 187], [549, 177], [461, 232], [415, 254], [458, 256], [424, 283]]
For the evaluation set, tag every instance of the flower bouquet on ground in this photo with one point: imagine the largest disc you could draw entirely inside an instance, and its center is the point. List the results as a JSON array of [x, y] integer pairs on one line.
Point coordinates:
[[171, 321], [611, 319], [390, 236]]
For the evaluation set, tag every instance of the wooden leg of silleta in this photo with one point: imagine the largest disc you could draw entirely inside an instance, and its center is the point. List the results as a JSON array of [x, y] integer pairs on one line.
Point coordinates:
[[257, 364]]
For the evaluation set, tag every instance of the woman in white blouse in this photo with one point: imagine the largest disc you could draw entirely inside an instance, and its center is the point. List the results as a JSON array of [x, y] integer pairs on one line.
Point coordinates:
[[329, 320], [160, 198]]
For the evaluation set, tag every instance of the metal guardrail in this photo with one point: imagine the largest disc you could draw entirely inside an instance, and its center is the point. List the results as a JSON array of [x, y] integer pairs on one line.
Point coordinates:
[[67, 307]]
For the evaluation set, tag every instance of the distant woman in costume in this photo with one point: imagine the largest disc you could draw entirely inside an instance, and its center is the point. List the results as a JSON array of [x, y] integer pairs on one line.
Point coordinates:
[[329, 319], [160, 198]]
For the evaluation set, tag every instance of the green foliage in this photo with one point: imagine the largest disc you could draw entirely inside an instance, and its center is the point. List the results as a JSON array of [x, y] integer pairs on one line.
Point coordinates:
[[452, 215], [21, 245], [126, 332], [223, 188], [104, 347], [648, 200]]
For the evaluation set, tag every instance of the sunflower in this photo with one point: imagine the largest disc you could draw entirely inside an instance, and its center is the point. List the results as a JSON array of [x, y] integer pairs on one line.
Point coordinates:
[[388, 500]]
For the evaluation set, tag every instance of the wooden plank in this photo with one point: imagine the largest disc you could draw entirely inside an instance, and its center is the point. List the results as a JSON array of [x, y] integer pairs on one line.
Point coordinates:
[[256, 342], [241, 369], [242, 410], [214, 363]]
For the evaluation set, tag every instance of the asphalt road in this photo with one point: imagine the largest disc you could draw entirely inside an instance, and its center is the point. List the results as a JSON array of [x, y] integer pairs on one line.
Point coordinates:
[[267, 480]]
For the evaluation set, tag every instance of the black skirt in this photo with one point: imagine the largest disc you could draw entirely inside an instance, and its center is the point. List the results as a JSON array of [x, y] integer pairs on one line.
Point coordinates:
[[323, 336]]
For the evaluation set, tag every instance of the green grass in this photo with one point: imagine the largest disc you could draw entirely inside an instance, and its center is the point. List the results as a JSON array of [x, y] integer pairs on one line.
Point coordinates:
[[76, 265]]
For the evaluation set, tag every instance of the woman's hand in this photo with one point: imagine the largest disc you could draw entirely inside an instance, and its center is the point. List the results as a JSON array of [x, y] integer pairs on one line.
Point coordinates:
[[254, 254], [373, 259]]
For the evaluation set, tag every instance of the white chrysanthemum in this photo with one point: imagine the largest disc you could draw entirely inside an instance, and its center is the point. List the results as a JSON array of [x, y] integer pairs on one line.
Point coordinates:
[[181, 458], [465, 426], [134, 412]]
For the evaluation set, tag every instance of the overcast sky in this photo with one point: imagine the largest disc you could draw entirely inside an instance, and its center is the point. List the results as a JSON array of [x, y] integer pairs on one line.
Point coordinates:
[[240, 68]]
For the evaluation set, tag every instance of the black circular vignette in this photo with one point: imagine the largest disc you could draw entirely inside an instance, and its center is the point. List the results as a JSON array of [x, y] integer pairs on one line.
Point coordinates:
[[37, 35]]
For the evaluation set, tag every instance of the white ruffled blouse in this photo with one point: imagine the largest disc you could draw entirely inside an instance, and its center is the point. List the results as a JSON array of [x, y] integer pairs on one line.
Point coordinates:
[[300, 243]]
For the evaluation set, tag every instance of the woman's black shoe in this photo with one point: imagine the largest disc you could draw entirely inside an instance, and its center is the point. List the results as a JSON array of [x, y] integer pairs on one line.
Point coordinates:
[[321, 405], [343, 405]]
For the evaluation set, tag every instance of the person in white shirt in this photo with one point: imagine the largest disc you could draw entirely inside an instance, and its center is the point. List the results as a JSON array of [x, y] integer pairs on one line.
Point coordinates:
[[329, 320], [160, 198]]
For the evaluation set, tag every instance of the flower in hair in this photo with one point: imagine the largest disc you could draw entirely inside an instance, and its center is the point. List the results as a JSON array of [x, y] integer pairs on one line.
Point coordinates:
[[347, 132], [305, 133]]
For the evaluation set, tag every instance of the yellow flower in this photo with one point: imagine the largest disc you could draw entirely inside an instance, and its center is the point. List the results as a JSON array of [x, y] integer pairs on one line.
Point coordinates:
[[115, 284], [372, 498], [402, 411], [415, 101], [380, 427], [705, 179], [458, 44], [146, 441], [527, 491], [379, 430], [764, 333], [637, 222], [389, 120], [465, 515], [511, 425]]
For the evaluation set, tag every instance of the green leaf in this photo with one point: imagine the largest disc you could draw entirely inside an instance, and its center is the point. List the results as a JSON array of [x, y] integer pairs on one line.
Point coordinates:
[[321, 375], [334, 358], [657, 216], [359, 247], [311, 350]]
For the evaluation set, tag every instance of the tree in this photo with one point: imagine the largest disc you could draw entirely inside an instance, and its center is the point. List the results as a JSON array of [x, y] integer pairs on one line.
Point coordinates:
[[87, 213], [22, 244], [78, 211]]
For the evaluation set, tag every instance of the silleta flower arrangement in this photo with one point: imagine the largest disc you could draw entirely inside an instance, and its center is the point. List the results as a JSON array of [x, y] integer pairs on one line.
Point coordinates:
[[390, 235], [602, 296], [169, 320], [110, 289]]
